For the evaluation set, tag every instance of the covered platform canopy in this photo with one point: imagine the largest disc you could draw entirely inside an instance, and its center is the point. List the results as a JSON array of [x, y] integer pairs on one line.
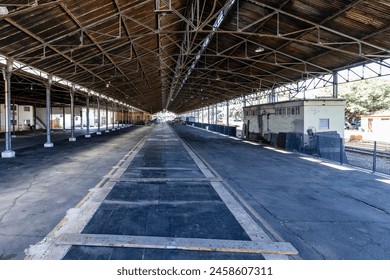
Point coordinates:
[[182, 55]]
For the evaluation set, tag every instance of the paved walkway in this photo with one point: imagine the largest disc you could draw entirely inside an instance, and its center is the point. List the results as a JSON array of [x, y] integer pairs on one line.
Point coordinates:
[[325, 210], [143, 193], [39, 185], [160, 203]]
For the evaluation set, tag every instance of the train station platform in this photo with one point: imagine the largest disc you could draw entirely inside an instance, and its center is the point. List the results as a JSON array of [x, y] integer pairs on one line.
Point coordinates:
[[176, 192]]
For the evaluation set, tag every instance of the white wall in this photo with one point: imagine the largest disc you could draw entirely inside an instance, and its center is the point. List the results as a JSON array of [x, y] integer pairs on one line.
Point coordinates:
[[23, 116], [296, 116], [275, 120], [379, 124], [332, 110]]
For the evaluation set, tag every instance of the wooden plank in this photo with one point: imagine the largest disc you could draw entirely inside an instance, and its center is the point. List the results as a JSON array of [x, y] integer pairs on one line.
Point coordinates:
[[191, 244]]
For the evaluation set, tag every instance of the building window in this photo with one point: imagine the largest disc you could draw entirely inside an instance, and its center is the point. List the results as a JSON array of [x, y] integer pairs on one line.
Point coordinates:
[[288, 111], [26, 108], [324, 124], [297, 112]]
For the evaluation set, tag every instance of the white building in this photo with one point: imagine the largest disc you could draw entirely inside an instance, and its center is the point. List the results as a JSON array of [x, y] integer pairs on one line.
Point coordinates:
[[303, 117], [376, 123], [21, 117]]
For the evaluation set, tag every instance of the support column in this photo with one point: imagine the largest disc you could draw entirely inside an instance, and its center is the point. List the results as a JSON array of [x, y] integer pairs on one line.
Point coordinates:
[[122, 117], [88, 135], [63, 118], [35, 117], [208, 114], [127, 116], [8, 153], [98, 113], [117, 112], [48, 143], [13, 120], [72, 137], [227, 113], [335, 85], [107, 130], [216, 114], [113, 117], [81, 118]]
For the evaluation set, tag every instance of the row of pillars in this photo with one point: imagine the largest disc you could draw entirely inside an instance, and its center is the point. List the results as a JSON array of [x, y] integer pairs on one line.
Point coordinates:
[[271, 99], [9, 153], [214, 113]]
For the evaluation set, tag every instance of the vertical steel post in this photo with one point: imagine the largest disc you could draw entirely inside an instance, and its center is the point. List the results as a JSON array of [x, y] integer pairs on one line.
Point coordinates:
[[8, 153], [122, 117], [48, 143], [374, 159], [208, 114], [335, 85], [63, 118], [107, 130], [117, 116], [216, 114], [98, 115], [318, 146], [13, 119], [113, 116], [227, 113], [72, 91], [88, 135]]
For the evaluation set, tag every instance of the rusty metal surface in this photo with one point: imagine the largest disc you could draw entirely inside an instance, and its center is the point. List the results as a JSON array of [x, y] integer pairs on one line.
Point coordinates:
[[140, 51]]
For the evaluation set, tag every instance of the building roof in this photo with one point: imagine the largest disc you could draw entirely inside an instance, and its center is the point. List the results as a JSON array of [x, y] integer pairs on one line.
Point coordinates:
[[182, 55], [385, 113]]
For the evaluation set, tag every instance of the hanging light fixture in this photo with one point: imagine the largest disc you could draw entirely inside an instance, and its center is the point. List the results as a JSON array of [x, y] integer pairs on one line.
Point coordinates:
[[259, 49], [3, 11]]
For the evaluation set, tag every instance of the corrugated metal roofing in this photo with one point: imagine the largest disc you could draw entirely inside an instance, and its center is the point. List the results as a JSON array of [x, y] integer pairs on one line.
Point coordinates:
[[144, 49]]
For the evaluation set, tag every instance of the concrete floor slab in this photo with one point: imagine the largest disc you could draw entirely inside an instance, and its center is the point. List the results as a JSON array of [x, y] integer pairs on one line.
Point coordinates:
[[210, 220], [169, 201]]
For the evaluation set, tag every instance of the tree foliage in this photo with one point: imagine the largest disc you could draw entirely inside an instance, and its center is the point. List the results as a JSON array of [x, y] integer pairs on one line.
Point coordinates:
[[365, 97]]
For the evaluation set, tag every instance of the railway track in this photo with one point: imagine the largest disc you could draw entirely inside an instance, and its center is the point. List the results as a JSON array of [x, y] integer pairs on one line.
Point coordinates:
[[365, 151]]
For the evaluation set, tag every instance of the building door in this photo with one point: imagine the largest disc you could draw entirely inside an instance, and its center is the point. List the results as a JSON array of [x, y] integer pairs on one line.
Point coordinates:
[[247, 130], [370, 125]]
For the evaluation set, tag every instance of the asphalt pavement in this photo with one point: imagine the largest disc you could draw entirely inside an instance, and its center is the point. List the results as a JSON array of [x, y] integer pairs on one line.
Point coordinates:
[[325, 210]]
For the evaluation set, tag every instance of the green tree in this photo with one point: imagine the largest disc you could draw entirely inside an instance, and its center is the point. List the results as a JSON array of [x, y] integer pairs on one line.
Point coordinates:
[[365, 97]]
